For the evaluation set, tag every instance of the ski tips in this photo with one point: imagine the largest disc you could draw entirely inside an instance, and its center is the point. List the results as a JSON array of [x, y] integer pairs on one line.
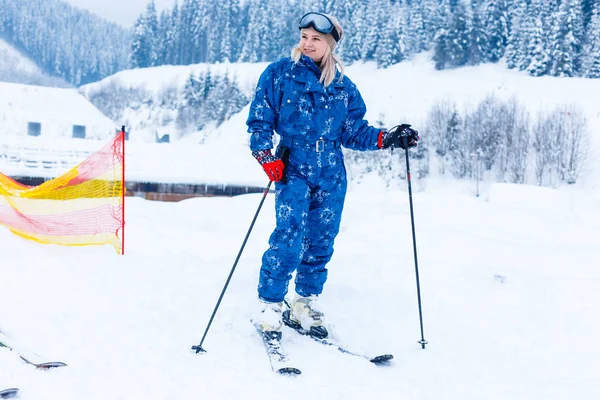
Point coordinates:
[[198, 349], [383, 359], [9, 393], [47, 365], [289, 371]]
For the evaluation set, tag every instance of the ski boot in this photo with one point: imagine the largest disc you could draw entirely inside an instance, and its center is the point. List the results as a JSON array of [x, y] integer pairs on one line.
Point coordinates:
[[304, 317], [269, 318]]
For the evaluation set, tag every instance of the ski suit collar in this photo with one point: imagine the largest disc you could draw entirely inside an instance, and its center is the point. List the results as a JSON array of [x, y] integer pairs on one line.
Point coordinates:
[[307, 67]]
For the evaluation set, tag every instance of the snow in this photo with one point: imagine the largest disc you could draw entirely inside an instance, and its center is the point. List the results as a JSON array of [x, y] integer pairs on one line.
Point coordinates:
[[509, 294], [509, 280], [56, 109], [13, 59], [155, 79]]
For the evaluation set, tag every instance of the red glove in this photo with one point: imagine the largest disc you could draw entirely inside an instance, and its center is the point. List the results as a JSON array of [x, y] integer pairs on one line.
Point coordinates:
[[273, 166]]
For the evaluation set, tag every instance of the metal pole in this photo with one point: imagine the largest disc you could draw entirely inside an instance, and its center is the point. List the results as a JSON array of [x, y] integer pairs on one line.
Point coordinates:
[[423, 342], [199, 348]]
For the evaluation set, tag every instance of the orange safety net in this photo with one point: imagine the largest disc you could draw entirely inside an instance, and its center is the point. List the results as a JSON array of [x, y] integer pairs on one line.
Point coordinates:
[[85, 206]]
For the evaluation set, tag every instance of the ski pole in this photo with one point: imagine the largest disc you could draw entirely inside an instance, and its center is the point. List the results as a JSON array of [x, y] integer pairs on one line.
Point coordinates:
[[199, 348], [423, 342]]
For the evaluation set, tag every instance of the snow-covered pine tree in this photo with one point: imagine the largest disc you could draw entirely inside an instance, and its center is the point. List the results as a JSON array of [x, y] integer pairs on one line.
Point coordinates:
[[373, 32], [284, 30], [496, 24], [258, 34], [537, 48], [478, 40], [169, 38], [566, 39], [391, 48], [164, 24], [441, 57], [458, 37], [517, 40], [417, 37], [145, 34], [355, 31], [435, 16], [342, 10], [591, 57], [185, 45], [587, 7]]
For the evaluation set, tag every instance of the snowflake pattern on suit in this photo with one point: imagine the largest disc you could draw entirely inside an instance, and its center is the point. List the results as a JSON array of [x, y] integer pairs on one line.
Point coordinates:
[[290, 100]]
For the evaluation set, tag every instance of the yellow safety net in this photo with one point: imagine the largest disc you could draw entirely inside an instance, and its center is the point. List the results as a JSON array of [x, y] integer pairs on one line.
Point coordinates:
[[85, 206]]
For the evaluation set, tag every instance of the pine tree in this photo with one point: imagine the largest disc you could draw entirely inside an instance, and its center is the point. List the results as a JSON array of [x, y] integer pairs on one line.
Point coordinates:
[[416, 33], [170, 44], [587, 7], [566, 39], [143, 48], [434, 18], [375, 11], [441, 56], [164, 24], [537, 53], [356, 31], [257, 35], [591, 61], [517, 40], [496, 23], [478, 39], [458, 37], [391, 48]]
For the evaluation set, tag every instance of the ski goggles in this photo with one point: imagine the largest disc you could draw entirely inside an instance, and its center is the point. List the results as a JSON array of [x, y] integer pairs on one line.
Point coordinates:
[[320, 23]]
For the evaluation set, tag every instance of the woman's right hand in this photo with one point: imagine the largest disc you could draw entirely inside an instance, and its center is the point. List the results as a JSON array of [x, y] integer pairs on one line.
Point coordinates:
[[273, 166]]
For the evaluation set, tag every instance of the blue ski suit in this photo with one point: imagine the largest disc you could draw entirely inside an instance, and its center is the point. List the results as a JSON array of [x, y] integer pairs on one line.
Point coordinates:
[[313, 121]]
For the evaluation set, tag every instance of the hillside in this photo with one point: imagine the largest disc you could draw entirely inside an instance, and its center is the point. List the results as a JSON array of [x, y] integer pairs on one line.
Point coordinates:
[[401, 93], [17, 68]]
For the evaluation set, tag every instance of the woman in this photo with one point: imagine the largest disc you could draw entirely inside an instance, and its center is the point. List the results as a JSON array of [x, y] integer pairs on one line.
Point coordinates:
[[315, 110]]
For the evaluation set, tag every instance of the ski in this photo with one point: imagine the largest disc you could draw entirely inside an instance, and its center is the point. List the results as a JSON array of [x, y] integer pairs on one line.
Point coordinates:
[[31, 359], [9, 393], [277, 356], [320, 336]]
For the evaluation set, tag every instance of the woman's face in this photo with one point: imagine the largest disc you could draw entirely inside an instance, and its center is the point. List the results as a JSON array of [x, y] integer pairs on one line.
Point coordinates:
[[312, 44]]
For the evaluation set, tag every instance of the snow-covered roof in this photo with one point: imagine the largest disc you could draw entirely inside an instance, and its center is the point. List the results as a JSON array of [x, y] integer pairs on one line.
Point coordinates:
[[56, 109]]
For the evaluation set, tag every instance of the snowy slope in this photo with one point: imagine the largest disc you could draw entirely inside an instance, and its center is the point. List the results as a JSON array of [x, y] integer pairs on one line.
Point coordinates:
[[16, 67], [12, 59], [510, 287], [510, 280]]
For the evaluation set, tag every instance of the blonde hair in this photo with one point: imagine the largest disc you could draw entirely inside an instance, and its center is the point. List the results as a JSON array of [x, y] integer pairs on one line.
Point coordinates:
[[330, 60]]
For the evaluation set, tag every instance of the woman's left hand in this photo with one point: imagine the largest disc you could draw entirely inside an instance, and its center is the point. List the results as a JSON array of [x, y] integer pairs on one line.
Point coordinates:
[[401, 136]]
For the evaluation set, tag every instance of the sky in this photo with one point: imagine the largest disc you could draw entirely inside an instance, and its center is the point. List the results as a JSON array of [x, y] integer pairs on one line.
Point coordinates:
[[122, 12]]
